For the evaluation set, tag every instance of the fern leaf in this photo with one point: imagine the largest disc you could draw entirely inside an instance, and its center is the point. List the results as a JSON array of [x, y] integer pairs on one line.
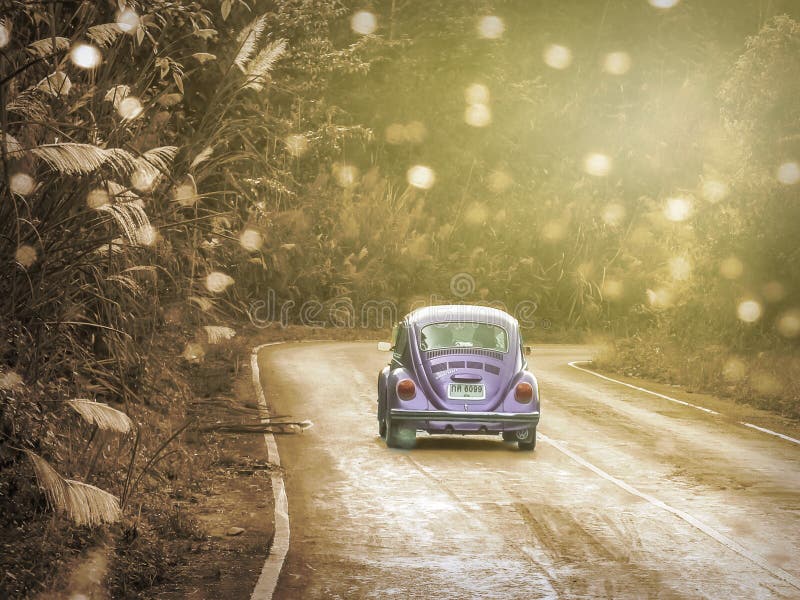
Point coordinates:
[[102, 415], [55, 84], [203, 303], [89, 505], [203, 156], [203, 57], [44, 47], [104, 35], [258, 71], [248, 39], [12, 145], [127, 282], [218, 333], [133, 221], [82, 159], [29, 105]]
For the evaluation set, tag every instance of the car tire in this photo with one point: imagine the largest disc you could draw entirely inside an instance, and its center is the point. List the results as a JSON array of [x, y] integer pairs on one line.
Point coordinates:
[[509, 436], [382, 419], [400, 437], [528, 443]]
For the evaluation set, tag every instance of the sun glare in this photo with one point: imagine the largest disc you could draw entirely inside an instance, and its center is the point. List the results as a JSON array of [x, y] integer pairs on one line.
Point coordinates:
[[749, 311], [130, 108], [128, 20], [789, 173], [663, 3], [617, 63], [478, 115], [597, 164], [251, 240], [21, 184], [714, 190], [476, 93]]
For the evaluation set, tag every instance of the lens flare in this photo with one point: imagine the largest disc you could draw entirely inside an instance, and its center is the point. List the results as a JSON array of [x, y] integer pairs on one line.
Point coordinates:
[[597, 164], [731, 268], [680, 268], [218, 282], [128, 21], [85, 56], [130, 108], [477, 93], [557, 56], [491, 27], [420, 176], [296, 144], [364, 22], [714, 190], [678, 209], [789, 173], [749, 311], [96, 198], [26, 255], [22, 184], [617, 63], [789, 323], [251, 240], [478, 115], [663, 3]]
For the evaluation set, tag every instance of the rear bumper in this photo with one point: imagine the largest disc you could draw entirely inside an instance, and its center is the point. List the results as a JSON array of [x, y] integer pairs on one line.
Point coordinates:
[[455, 416]]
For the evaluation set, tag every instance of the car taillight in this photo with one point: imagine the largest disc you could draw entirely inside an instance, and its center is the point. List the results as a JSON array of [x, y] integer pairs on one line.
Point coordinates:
[[406, 389], [524, 392]]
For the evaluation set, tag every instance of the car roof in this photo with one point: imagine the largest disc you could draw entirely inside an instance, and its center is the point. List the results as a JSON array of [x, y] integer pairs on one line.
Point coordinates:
[[460, 312]]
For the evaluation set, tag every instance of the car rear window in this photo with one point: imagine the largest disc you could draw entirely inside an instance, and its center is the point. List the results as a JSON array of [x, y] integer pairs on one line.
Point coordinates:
[[463, 335]]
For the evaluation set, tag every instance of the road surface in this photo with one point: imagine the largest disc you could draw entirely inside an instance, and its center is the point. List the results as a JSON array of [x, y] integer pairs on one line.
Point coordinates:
[[626, 496]]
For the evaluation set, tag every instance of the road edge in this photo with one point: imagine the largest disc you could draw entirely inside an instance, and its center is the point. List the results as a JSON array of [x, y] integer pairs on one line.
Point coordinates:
[[268, 579]]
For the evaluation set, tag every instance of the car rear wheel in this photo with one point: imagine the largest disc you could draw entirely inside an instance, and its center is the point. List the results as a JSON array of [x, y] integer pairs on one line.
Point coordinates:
[[382, 419], [526, 438], [399, 437]]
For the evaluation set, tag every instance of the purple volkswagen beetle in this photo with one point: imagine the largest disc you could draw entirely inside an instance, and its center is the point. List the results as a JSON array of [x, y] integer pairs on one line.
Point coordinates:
[[457, 370]]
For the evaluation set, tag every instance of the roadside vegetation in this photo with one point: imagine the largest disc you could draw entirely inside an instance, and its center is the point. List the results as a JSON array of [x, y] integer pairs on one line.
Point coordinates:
[[599, 169]]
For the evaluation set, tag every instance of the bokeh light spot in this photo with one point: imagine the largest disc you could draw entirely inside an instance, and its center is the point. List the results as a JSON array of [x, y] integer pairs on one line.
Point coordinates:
[[613, 214], [557, 56], [143, 180], [734, 370], [617, 63], [415, 132], [477, 93], [660, 297], [185, 193], [773, 291], [296, 144], [251, 240], [731, 268], [96, 198], [130, 108], [21, 184], [364, 22], [85, 56], [613, 289], [554, 231], [680, 268], [491, 27], [26, 255], [5, 34], [714, 190], [678, 209], [663, 3], [500, 181], [789, 173], [749, 311], [478, 115], [788, 323], [476, 214], [346, 175], [128, 21], [422, 177], [218, 282], [597, 164]]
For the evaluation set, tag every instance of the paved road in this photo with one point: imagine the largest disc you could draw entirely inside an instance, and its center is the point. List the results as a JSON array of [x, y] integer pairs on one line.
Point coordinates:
[[626, 496]]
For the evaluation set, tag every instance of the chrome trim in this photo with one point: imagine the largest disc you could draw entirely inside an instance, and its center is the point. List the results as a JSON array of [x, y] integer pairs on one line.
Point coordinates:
[[463, 417]]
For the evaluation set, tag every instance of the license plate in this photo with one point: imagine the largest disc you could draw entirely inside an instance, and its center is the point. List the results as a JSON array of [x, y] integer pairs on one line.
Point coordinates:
[[466, 391]]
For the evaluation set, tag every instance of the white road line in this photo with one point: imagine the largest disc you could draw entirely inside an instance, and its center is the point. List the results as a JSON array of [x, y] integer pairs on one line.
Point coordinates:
[[770, 432], [271, 570], [574, 365], [708, 530]]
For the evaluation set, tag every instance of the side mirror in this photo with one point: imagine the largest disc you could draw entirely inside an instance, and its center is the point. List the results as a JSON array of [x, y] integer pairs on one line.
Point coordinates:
[[527, 350], [384, 346]]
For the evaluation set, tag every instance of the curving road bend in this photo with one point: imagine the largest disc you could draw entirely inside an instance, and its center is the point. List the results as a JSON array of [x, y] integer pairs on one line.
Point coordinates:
[[626, 496]]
